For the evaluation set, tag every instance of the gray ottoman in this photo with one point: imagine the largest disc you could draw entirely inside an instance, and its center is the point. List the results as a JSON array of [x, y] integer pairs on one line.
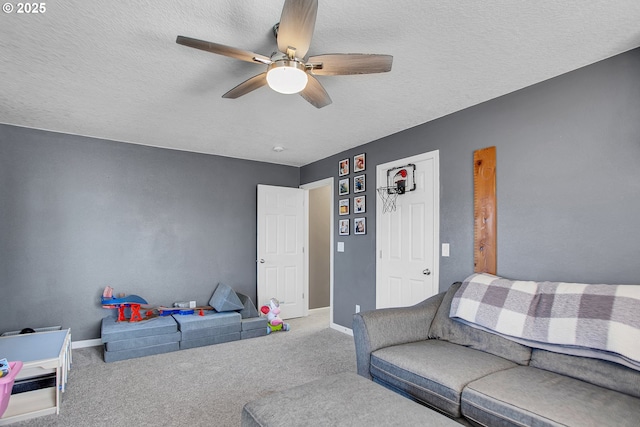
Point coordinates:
[[340, 400]]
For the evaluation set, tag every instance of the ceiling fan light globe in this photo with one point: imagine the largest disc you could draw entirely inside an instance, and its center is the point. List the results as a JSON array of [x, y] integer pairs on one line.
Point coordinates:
[[288, 77]]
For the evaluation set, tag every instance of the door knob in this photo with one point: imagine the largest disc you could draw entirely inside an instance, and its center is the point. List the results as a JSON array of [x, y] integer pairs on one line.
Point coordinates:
[[261, 261], [426, 272]]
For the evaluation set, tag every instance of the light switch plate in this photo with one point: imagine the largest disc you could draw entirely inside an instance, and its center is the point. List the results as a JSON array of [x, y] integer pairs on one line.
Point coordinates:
[[340, 246], [445, 249]]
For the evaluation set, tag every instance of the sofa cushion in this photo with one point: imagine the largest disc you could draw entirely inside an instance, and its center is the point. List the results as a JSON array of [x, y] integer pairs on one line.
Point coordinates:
[[445, 328], [211, 324], [225, 299], [432, 371], [209, 340], [140, 342], [132, 353], [249, 311], [599, 372], [254, 323], [526, 396], [112, 330]]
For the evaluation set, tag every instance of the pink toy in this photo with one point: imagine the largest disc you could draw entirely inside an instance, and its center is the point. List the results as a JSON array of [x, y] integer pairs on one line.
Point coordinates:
[[6, 385], [272, 311]]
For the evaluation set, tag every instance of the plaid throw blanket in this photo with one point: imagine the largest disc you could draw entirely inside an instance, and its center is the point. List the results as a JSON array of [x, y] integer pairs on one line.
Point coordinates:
[[600, 321]]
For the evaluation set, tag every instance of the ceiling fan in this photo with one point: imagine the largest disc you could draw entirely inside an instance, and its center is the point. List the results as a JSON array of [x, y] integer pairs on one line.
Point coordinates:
[[287, 71]]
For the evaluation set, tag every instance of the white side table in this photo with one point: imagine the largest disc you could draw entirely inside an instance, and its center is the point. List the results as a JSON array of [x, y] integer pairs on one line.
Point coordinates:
[[41, 353]]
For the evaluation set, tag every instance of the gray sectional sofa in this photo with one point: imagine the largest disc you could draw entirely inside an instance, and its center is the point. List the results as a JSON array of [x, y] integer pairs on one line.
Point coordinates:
[[481, 378]]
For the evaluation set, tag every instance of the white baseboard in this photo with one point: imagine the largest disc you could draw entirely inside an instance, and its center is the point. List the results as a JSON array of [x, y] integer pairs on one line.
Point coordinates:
[[86, 343], [342, 329]]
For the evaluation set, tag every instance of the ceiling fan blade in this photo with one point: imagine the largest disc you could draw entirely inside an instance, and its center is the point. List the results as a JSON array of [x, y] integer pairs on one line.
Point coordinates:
[[315, 94], [337, 64], [297, 23], [220, 49], [247, 86]]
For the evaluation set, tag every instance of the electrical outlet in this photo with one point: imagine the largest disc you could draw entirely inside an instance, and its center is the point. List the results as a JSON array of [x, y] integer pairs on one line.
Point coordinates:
[[357, 308]]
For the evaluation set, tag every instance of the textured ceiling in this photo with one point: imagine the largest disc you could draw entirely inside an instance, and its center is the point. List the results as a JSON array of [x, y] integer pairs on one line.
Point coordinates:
[[112, 69]]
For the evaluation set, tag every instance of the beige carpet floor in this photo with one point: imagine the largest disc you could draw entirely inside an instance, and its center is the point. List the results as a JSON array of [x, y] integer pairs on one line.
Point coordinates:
[[205, 386]]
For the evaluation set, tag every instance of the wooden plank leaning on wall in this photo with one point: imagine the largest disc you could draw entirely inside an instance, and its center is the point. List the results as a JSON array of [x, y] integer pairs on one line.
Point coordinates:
[[485, 211]]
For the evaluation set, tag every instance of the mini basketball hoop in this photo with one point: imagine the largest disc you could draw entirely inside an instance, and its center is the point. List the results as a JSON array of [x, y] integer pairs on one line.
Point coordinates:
[[399, 181], [388, 196]]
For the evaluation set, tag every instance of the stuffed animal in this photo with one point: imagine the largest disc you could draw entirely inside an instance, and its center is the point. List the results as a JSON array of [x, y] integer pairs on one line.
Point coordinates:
[[272, 311]]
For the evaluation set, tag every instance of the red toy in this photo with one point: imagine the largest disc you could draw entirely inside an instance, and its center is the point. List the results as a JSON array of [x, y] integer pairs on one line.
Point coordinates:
[[131, 301], [134, 302]]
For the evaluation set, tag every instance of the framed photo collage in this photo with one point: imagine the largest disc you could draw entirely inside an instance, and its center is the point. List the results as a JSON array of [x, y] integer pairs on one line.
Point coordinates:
[[357, 184]]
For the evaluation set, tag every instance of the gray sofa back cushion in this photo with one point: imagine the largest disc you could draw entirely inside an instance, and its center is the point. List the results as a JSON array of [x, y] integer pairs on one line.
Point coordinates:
[[599, 372], [445, 328]]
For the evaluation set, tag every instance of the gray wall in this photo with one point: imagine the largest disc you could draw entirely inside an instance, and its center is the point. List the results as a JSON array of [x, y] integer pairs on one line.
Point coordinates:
[[568, 183], [77, 214], [319, 247]]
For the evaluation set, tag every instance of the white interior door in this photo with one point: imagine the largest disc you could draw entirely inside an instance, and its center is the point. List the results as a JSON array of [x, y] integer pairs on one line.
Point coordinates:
[[280, 249], [407, 239]]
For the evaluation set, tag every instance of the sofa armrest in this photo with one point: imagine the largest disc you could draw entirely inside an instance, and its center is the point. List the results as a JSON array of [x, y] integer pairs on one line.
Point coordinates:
[[376, 329]]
